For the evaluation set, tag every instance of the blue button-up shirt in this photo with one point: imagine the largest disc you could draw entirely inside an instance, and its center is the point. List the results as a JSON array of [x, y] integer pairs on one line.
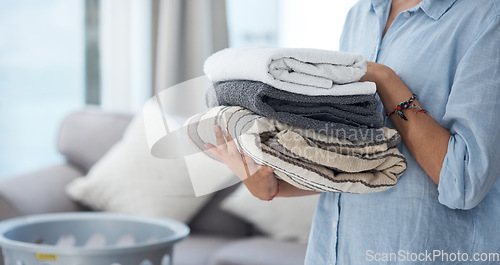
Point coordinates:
[[448, 53]]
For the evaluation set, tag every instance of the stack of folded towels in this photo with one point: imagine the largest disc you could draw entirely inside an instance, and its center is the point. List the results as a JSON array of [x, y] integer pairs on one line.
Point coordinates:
[[304, 113]]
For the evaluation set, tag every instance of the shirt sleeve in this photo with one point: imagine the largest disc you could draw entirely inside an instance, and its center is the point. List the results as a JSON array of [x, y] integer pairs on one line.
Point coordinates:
[[472, 163]]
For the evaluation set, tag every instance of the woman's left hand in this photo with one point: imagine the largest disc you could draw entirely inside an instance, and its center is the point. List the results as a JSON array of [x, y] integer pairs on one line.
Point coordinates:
[[377, 73], [422, 135]]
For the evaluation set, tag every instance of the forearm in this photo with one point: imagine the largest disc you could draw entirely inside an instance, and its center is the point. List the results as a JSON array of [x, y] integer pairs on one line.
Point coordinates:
[[422, 135]]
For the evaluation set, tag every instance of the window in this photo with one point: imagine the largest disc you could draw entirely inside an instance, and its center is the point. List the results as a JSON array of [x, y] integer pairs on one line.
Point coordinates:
[[41, 78], [287, 23]]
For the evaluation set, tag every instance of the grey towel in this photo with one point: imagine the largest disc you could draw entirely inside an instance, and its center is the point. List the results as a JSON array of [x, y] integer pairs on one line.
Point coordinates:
[[341, 116]]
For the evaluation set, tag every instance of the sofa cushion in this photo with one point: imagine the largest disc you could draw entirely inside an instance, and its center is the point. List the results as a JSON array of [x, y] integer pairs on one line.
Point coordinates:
[[281, 218], [128, 179], [211, 219], [260, 251], [197, 249], [41, 191], [85, 136]]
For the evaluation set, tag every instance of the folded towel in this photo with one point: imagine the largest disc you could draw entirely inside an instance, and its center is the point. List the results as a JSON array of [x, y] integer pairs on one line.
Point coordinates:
[[305, 159], [355, 113], [301, 71]]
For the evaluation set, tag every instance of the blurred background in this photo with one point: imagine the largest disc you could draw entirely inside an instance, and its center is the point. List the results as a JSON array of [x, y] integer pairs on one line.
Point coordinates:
[[58, 56]]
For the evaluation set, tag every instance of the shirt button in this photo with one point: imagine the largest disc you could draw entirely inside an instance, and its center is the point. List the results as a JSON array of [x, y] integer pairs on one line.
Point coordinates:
[[406, 14]]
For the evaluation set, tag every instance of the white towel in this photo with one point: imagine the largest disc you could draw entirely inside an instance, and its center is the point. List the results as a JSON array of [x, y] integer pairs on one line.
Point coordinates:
[[303, 71]]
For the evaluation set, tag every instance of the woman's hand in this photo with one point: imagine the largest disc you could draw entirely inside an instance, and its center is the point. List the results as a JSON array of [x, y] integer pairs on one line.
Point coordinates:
[[424, 137], [377, 73], [260, 180]]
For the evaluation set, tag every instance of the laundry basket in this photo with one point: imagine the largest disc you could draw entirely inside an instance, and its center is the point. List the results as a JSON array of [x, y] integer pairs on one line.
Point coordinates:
[[89, 239]]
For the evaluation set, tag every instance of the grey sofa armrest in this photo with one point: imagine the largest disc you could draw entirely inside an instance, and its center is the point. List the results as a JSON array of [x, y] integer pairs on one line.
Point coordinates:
[[211, 220], [86, 135], [38, 192]]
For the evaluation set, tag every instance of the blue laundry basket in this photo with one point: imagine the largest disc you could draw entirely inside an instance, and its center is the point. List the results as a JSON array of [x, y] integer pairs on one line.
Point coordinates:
[[89, 239]]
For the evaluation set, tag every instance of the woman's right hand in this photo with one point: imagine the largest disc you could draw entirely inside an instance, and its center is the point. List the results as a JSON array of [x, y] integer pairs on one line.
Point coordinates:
[[260, 180]]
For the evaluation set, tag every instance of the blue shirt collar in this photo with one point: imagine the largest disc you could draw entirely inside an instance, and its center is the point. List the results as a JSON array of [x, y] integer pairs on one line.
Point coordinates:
[[436, 8], [433, 8], [376, 3]]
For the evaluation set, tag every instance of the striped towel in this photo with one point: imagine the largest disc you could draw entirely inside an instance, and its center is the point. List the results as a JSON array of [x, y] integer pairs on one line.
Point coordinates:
[[304, 158]]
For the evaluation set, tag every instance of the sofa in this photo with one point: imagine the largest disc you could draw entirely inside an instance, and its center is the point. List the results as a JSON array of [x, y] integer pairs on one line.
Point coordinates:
[[217, 237]]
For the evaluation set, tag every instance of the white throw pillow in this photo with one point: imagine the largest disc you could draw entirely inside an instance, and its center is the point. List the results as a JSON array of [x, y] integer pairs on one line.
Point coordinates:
[[128, 179], [281, 218]]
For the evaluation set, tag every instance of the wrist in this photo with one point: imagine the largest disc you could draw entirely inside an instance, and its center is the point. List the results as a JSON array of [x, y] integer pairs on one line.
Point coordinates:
[[390, 87], [382, 75], [277, 191], [379, 74]]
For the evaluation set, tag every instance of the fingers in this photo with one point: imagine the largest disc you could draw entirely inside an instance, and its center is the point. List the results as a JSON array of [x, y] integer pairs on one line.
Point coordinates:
[[227, 152], [252, 167], [265, 170], [260, 180], [221, 143], [225, 147], [247, 172], [213, 149], [261, 173], [227, 143], [263, 184], [231, 145]]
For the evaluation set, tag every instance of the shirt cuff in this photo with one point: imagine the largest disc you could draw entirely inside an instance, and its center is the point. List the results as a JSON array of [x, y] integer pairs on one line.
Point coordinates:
[[451, 186]]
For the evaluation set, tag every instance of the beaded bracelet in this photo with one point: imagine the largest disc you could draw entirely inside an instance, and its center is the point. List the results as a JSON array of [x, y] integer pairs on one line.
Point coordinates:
[[406, 105]]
